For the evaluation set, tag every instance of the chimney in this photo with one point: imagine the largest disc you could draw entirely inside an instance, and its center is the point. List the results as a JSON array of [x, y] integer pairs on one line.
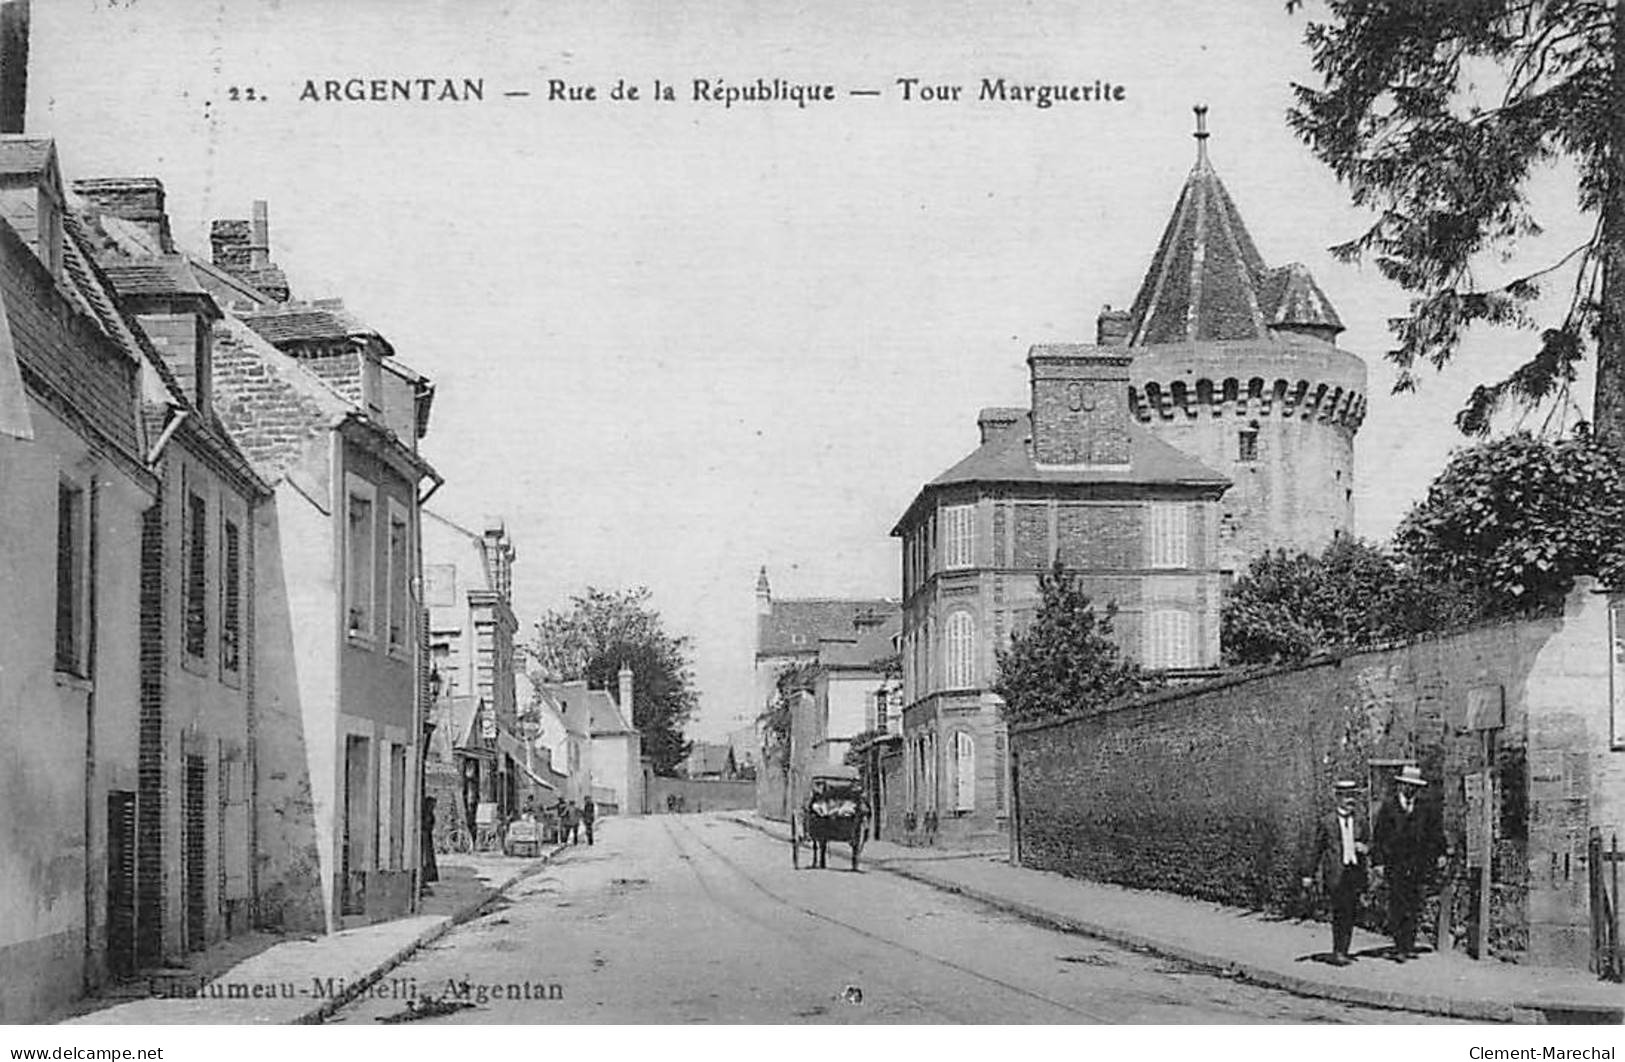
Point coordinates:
[[230, 240], [134, 199], [994, 422], [1080, 406], [626, 695], [13, 65], [1112, 327], [259, 244], [243, 249]]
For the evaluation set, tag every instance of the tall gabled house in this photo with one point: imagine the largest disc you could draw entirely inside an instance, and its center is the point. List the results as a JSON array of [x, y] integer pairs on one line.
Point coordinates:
[[75, 484], [196, 874], [313, 398]]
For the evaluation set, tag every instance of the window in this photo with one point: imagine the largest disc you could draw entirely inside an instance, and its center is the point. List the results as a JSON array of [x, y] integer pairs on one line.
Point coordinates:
[[231, 597], [1170, 535], [196, 616], [1247, 444], [400, 571], [879, 721], [359, 560], [1171, 639], [964, 772], [71, 583], [961, 645], [959, 536]]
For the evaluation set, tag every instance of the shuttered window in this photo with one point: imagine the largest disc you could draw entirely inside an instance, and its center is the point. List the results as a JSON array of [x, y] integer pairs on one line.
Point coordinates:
[[1170, 535], [1170, 639], [959, 534], [961, 645], [231, 597], [964, 772], [196, 626]]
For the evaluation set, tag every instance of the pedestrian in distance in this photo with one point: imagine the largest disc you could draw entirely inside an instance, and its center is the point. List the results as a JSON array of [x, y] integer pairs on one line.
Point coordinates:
[[571, 823], [1407, 843], [1340, 857], [589, 814]]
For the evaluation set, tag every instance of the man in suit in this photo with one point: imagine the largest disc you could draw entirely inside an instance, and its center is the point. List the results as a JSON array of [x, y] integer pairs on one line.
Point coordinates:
[[1340, 857], [1408, 844]]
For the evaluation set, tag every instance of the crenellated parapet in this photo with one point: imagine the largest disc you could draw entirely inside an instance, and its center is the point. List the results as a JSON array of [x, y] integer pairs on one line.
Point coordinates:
[[1252, 398], [1303, 378]]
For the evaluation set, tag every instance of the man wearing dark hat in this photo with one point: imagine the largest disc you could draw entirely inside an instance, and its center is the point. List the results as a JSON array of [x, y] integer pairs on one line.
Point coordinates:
[[1340, 856], [1407, 844]]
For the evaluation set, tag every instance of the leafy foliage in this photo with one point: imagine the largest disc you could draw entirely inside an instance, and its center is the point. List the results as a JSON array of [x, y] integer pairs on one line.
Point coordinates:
[[1436, 116], [1066, 662], [854, 752], [601, 631], [1517, 519], [776, 719], [1288, 607]]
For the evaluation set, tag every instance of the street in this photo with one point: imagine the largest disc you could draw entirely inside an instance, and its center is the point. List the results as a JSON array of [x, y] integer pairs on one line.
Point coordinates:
[[698, 918]]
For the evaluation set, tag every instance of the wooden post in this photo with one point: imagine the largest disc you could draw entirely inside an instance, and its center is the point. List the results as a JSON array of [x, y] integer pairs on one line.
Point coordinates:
[[1485, 872]]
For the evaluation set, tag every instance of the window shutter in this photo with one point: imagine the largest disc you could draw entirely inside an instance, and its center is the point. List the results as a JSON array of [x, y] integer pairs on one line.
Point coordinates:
[[965, 772]]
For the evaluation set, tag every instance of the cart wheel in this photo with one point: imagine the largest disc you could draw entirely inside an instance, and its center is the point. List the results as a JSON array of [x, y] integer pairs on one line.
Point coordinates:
[[795, 845]]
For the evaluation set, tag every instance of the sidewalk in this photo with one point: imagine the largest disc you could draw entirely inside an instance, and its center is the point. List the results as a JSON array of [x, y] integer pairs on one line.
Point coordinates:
[[292, 981], [1260, 948]]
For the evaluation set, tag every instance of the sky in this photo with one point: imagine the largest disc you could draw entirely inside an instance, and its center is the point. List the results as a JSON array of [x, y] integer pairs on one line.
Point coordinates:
[[674, 341]]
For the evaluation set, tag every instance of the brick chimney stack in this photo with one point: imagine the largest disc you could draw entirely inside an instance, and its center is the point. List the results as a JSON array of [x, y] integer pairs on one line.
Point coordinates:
[[243, 249], [1112, 327], [135, 199], [13, 66], [1080, 406], [995, 421]]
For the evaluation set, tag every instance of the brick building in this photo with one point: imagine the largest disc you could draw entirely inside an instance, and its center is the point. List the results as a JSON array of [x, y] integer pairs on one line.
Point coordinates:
[[1212, 421]]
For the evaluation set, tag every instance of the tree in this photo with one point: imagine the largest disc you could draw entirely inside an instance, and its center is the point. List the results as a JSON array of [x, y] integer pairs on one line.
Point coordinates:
[[1066, 662], [1517, 519], [1288, 607], [1436, 116], [604, 630]]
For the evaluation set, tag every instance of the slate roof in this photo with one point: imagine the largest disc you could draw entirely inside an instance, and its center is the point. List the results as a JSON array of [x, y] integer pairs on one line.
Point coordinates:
[[306, 322], [872, 647], [1207, 280], [606, 714], [157, 275], [797, 625], [1008, 458]]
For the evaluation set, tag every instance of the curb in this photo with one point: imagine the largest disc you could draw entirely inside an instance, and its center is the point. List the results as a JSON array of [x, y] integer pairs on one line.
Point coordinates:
[[1532, 1012], [357, 986]]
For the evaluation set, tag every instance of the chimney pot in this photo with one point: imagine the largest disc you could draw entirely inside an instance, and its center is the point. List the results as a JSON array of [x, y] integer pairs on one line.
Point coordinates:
[[259, 245]]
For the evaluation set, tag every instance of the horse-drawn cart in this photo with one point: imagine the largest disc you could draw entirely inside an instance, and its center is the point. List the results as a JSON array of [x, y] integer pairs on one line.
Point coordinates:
[[834, 810]]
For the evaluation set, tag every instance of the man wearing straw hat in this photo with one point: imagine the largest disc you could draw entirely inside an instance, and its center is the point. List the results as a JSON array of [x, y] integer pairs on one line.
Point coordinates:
[[1407, 844], [1340, 856]]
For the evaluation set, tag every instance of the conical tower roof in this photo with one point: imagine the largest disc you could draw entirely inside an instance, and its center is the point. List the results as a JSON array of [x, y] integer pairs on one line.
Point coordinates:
[[1207, 280]]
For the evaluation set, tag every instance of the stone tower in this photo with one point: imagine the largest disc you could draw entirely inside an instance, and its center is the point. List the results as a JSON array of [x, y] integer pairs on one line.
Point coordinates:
[[1236, 363]]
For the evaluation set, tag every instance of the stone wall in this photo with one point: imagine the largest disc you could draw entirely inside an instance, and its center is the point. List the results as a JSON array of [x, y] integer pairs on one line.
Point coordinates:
[[1212, 790]]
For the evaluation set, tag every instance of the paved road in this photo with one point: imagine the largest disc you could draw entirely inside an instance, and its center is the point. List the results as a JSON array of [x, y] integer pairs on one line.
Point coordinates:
[[694, 918]]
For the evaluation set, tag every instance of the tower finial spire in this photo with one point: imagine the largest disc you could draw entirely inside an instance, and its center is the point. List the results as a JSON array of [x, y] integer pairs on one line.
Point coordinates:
[[1201, 133]]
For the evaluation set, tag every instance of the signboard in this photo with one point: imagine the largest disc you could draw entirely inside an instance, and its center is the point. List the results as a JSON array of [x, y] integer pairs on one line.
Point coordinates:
[[1486, 708], [485, 814]]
